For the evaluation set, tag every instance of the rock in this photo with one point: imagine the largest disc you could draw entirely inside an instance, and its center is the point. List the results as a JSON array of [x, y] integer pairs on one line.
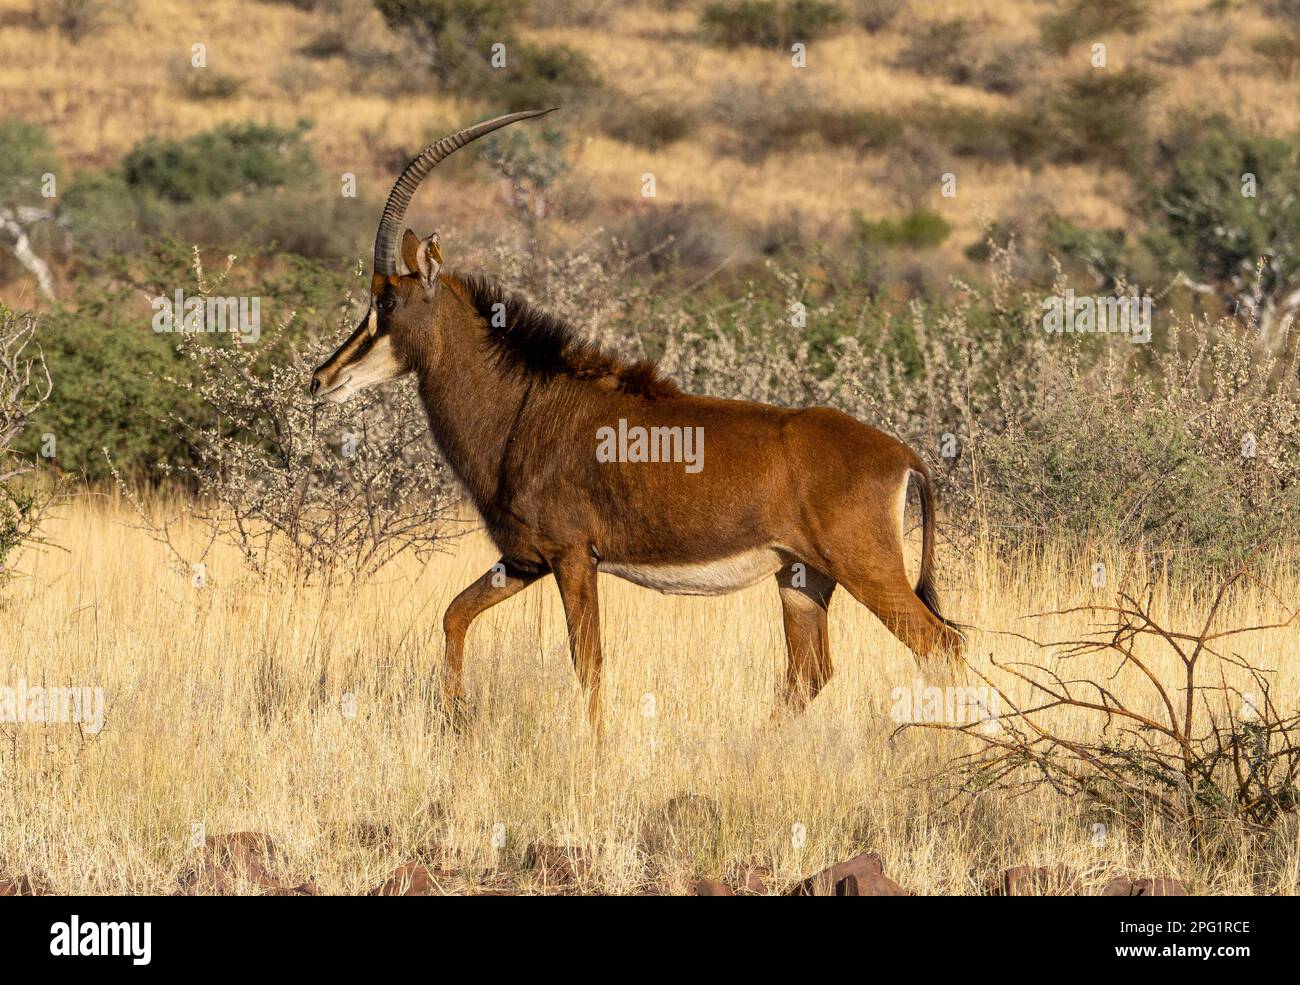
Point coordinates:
[[240, 860], [302, 889], [752, 879], [23, 886], [1027, 880], [1124, 886], [862, 875], [558, 866], [414, 879], [234, 861], [1160, 887], [710, 887]]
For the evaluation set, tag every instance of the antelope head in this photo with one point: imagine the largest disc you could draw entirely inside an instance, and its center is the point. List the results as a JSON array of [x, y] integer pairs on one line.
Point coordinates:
[[404, 288]]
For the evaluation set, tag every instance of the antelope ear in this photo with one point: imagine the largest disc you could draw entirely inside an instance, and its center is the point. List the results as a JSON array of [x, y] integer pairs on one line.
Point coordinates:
[[410, 246], [429, 259]]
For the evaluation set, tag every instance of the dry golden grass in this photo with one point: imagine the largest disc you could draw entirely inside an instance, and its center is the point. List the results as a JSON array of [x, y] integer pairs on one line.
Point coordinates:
[[225, 708]]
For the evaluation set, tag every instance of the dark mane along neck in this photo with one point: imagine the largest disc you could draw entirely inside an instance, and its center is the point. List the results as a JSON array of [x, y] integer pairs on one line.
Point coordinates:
[[535, 343]]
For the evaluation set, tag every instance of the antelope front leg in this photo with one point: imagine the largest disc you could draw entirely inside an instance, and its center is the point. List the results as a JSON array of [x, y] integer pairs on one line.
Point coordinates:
[[499, 583], [576, 577]]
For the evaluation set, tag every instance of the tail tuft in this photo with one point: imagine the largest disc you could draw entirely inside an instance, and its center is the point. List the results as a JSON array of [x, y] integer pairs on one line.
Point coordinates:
[[929, 597]]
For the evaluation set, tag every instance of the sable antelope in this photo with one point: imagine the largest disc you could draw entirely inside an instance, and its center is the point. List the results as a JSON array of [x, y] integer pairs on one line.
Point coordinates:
[[522, 408]]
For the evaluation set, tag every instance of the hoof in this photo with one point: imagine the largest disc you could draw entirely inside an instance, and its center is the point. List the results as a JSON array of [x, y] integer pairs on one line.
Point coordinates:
[[452, 714]]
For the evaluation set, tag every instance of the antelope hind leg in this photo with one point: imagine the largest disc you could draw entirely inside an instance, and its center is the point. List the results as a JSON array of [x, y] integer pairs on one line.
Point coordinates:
[[805, 598]]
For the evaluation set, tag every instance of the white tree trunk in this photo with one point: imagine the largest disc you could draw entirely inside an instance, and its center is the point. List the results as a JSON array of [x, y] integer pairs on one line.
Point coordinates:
[[12, 221]]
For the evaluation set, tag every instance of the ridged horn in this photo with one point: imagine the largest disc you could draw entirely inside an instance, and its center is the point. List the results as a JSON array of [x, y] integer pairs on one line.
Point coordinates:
[[390, 223]]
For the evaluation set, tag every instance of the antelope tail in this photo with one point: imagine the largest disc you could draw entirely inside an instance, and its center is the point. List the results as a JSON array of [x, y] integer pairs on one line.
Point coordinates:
[[925, 589]]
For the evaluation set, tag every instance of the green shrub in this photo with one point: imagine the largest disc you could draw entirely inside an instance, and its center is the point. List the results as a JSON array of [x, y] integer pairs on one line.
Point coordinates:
[[458, 38], [1162, 450], [1201, 222], [920, 228], [454, 33], [1092, 116], [1102, 116], [1091, 21], [25, 155], [206, 84], [25, 158], [307, 222], [533, 162], [349, 30], [76, 20], [226, 189], [1282, 51], [876, 15], [677, 237], [334, 41], [569, 13], [768, 23], [1099, 250], [104, 212], [862, 130], [1004, 67], [1287, 11], [112, 371], [990, 135], [764, 119], [941, 49], [996, 236], [537, 76], [1193, 42], [234, 157], [647, 124], [947, 50]]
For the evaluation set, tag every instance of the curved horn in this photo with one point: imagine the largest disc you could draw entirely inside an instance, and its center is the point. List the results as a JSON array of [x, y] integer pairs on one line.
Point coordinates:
[[409, 180]]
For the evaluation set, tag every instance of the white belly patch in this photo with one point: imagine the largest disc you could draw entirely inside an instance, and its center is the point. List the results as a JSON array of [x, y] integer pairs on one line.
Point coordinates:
[[728, 574]]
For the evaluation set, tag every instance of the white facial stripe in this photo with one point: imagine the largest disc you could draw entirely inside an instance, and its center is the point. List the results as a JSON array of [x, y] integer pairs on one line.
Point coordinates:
[[378, 365], [372, 321]]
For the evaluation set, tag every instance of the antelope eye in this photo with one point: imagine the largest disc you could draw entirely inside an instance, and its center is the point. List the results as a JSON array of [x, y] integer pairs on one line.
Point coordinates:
[[386, 304]]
